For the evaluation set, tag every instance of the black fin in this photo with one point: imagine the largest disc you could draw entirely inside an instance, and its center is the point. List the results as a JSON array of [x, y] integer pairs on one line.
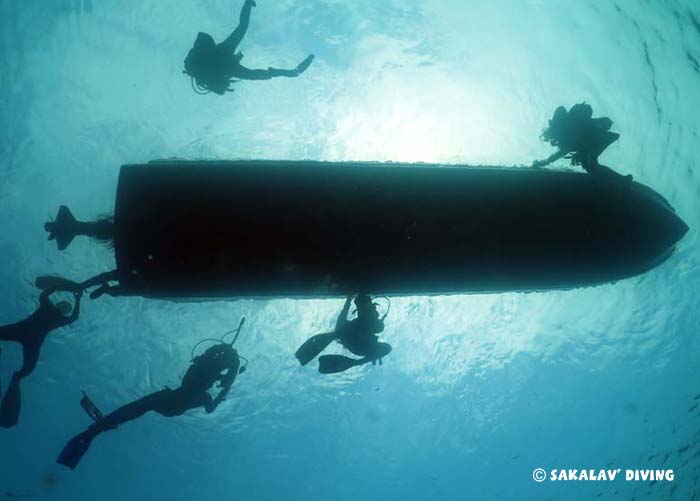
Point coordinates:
[[90, 408], [332, 364], [74, 450], [63, 229], [313, 346]]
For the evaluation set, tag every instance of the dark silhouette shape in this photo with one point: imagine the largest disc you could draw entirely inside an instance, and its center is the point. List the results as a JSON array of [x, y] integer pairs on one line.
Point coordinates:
[[65, 228], [31, 334], [582, 139], [319, 229], [357, 335], [214, 67], [90, 408], [206, 369], [101, 281]]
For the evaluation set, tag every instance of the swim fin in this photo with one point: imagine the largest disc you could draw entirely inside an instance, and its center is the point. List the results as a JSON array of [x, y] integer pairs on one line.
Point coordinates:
[[313, 346], [301, 68], [63, 230], [332, 364], [90, 408], [11, 403], [74, 450]]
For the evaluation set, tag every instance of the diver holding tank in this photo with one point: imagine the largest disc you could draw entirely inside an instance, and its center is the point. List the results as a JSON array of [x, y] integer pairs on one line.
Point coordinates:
[[358, 335], [582, 139], [215, 67], [220, 364]]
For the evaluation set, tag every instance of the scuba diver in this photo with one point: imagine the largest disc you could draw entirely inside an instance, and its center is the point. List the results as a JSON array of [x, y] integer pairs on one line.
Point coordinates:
[[582, 139], [31, 334], [358, 335], [215, 67], [66, 227], [205, 370]]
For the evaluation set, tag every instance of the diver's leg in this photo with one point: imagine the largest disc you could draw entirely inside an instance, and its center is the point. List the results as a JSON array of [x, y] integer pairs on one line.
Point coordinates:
[[237, 35], [11, 332], [12, 401], [76, 447], [603, 172], [11, 404], [30, 356], [605, 140], [132, 410], [244, 73], [102, 229]]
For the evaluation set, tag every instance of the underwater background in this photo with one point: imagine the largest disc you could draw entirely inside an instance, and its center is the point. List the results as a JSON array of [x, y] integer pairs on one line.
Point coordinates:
[[480, 389]]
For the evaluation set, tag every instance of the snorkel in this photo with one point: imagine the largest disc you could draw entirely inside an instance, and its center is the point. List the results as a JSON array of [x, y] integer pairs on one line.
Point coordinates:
[[221, 341]]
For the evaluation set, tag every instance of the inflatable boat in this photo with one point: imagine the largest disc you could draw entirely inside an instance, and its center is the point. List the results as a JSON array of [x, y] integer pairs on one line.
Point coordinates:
[[200, 229]]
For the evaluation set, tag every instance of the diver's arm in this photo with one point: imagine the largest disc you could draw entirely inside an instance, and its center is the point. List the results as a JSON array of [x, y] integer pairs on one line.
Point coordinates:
[[212, 404], [234, 39], [552, 158], [209, 406], [379, 326], [100, 279], [225, 383], [343, 317]]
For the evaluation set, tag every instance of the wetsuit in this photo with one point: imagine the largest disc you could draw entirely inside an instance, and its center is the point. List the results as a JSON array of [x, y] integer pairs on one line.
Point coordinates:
[[213, 65], [31, 334], [360, 334], [205, 370]]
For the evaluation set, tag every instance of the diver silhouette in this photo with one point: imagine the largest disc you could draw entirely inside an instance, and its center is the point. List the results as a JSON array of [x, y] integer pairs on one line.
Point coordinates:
[[205, 370], [215, 67], [31, 334], [357, 335], [582, 139], [65, 228]]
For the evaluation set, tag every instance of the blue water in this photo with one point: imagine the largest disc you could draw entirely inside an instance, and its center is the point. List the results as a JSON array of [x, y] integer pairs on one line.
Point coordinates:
[[479, 390]]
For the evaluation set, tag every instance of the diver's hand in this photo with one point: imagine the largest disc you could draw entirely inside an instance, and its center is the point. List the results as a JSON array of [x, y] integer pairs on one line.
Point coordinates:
[[227, 380], [251, 3]]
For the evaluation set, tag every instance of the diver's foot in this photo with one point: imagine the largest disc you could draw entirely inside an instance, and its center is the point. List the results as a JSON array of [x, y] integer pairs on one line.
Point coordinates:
[[251, 3], [305, 64], [75, 449]]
